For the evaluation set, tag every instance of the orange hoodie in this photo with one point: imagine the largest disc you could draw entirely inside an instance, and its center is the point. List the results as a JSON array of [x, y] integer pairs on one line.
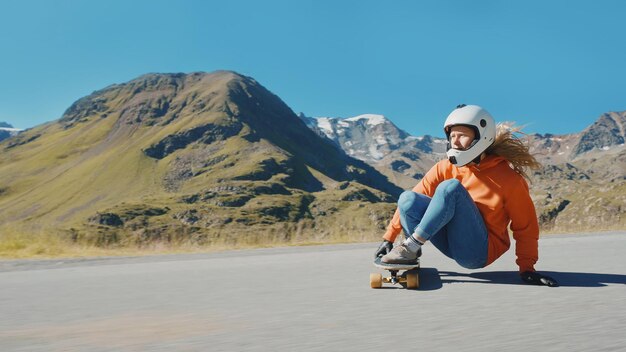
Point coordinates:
[[502, 198]]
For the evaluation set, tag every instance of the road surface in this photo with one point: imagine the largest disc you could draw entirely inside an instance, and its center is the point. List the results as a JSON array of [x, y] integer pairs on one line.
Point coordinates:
[[316, 299]]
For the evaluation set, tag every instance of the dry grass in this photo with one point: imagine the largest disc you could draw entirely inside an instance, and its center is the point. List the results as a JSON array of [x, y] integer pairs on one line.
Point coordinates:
[[21, 244], [30, 245]]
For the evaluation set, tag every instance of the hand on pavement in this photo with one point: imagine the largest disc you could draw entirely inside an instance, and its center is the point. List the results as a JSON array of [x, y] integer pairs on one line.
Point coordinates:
[[538, 279]]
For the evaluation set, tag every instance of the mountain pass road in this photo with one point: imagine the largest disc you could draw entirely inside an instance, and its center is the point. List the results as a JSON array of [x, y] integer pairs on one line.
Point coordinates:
[[316, 298]]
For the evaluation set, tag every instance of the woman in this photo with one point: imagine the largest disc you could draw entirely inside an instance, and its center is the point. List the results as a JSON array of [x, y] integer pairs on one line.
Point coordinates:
[[465, 203]]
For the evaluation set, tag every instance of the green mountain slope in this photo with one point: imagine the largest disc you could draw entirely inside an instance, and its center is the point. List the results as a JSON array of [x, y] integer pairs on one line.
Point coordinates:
[[186, 157]]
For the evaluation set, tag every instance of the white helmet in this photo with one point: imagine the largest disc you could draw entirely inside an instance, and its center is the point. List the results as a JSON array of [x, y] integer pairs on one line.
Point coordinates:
[[481, 122]]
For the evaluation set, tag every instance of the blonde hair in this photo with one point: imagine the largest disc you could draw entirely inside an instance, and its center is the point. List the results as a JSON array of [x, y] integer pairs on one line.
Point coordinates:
[[513, 149]]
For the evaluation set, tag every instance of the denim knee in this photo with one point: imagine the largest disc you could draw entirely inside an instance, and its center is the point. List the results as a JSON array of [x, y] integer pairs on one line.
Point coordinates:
[[450, 185], [406, 200], [474, 263]]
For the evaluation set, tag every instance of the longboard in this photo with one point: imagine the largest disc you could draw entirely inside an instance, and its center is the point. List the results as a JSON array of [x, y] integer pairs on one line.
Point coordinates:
[[410, 277]]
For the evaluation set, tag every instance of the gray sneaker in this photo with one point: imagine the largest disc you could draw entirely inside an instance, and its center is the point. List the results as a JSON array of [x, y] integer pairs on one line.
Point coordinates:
[[400, 255]]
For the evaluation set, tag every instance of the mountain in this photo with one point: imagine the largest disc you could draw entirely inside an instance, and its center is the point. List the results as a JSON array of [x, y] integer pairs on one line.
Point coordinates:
[[6, 131], [366, 137], [403, 158], [606, 133], [581, 186], [199, 157]]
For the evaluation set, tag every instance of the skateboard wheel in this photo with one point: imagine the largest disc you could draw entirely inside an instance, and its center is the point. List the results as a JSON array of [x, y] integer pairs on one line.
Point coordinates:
[[376, 280], [412, 280]]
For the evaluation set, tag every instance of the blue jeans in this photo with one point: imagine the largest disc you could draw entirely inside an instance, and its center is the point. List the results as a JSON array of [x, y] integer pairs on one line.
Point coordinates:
[[450, 220]]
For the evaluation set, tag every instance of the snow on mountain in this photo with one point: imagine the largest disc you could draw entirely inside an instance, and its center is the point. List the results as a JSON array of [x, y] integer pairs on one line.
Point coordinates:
[[368, 137], [376, 140], [7, 131], [370, 119], [325, 124]]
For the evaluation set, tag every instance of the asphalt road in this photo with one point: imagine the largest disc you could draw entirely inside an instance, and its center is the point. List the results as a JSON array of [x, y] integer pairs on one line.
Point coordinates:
[[316, 299]]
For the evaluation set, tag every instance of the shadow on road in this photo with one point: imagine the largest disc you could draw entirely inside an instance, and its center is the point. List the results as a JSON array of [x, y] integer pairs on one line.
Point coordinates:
[[429, 279], [565, 279]]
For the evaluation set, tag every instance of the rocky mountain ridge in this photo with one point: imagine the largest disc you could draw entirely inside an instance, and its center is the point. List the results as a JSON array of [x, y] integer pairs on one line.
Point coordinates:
[[605, 134]]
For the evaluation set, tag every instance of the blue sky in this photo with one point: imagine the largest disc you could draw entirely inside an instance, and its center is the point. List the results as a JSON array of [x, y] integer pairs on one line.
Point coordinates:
[[554, 66]]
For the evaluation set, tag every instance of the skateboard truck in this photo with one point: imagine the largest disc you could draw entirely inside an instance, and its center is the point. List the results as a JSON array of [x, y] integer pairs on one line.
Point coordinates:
[[394, 277], [410, 277]]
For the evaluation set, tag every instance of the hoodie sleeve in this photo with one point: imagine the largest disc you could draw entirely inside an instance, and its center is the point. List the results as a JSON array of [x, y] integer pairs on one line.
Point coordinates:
[[524, 225], [427, 186]]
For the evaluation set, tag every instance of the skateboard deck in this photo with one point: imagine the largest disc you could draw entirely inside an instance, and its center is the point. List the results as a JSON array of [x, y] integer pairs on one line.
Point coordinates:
[[410, 276]]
